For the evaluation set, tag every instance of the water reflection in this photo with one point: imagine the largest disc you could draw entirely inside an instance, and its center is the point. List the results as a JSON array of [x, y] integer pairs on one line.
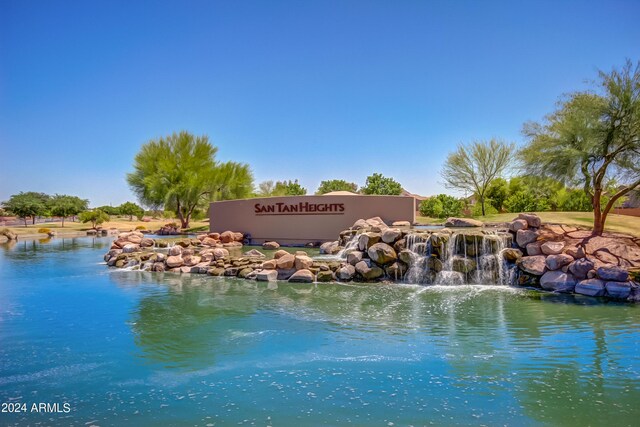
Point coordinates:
[[563, 363]]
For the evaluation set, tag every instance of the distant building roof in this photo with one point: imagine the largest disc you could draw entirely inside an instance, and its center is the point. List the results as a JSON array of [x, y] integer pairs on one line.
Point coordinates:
[[417, 196], [340, 193]]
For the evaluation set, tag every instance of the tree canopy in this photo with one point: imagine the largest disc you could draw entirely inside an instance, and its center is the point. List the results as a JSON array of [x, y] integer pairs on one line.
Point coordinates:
[[131, 209], [30, 204], [378, 184], [472, 167], [280, 188], [63, 206], [441, 206], [592, 139], [180, 172], [95, 217], [336, 185]]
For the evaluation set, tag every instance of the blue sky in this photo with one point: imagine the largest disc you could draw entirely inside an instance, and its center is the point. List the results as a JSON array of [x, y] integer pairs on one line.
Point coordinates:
[[298, 89]]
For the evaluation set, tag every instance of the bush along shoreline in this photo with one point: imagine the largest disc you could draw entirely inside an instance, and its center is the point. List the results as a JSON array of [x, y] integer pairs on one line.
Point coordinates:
[[522, 253]]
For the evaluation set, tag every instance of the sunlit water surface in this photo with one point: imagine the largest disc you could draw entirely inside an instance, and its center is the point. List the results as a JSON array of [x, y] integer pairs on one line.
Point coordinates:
[[133, 349]]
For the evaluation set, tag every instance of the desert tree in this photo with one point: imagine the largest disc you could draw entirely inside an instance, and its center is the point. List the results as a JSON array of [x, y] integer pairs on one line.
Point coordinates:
[[591, 140], [474, 166]]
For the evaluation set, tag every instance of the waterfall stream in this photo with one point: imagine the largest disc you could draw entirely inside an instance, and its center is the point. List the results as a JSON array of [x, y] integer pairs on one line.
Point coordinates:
[[455, 258]]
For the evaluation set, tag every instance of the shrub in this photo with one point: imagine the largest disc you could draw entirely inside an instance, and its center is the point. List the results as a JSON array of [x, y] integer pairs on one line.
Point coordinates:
[[489, 208], [141, 227], [44, 230], [441, 206], [524, 201]]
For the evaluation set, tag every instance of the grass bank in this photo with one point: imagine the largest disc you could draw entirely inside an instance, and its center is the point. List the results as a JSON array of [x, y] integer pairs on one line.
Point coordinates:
[[74, 228], [615, 223]]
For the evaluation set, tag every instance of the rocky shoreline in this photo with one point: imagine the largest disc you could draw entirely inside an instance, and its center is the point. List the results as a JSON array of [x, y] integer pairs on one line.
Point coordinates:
[[524, 253]]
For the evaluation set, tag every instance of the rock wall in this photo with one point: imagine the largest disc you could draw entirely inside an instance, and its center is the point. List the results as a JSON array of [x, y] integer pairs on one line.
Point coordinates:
[[548, 257], [565, 259]]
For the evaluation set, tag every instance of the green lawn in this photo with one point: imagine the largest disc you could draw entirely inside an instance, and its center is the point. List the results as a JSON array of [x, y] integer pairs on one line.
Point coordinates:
[[121, 224], [617, 223]]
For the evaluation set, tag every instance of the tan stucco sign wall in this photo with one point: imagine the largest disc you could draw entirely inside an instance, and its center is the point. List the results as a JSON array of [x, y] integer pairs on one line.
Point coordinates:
[[303, 219]]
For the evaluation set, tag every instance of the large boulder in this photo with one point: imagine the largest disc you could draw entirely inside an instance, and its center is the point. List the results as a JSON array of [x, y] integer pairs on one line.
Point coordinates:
[[366, 240], [270, 245], [303, 262], [130, 248], [175, 250], [612, 273], [369, 271], [382, 254], [534, 248], [618, 290], [267, 276], [302, 276], [255, 253], [227, 237], [147, 242], [346, 272], [590, 287], [280, 253], [191, 260], [269, 264], [581, 267], [557, 281], [524, 237], [285, 262], [329, 247], [556, 262], [511, 254], [518, 224], [285, 273], [220, 253], [462, 222], [390, 235], [533, 264], [533, 220], [10, 235], [376, 221], [354, 257], [174, 261], [361, 223], [552, 248]]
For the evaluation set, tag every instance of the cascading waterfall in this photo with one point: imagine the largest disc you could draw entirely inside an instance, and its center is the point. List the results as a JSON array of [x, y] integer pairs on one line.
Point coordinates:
[[458, 258]]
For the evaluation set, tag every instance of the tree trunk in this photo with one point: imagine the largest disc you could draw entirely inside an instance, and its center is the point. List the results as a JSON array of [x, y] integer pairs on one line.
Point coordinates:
[[482, 204], [25, 221], [62, 221], [598, 218], [33, 220]]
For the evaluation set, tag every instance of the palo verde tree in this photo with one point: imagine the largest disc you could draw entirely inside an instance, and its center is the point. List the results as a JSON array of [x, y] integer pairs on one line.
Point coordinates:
[[336, 185], [180, 173], [378, 184], [64, 206], [592, 139], [472, 167]]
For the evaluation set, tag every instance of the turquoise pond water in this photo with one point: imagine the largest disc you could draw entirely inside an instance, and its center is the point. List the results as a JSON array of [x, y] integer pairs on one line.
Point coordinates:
[[130, 348]]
